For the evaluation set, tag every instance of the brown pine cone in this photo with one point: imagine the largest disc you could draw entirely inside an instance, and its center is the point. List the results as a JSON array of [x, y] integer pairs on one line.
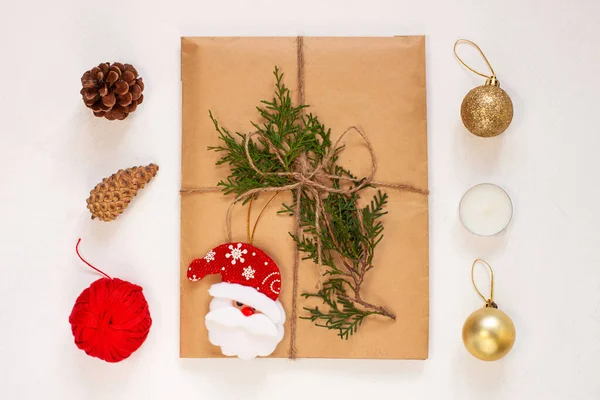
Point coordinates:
[[111, 197], [112, 91]]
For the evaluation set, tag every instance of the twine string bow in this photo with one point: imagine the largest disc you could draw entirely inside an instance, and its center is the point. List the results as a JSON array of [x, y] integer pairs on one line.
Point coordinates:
[[305, 177]]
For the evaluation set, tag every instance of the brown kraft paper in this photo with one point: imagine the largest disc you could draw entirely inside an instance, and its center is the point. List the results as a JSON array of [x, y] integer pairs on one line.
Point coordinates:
[[376, 84]]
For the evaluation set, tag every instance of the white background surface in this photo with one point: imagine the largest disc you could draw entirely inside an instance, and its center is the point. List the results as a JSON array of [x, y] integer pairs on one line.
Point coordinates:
[[53, 151]]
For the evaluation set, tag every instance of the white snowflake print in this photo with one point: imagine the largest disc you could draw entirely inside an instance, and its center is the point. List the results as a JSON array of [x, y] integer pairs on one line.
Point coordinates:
[[209, 256], [248, 273], [236, 253]]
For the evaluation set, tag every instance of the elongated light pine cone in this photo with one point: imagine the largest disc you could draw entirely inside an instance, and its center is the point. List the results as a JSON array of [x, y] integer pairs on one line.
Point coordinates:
[[112, 90], [111, 197]]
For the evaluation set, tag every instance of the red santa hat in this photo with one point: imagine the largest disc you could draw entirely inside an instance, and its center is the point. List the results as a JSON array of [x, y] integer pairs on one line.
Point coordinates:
[[248, 275]]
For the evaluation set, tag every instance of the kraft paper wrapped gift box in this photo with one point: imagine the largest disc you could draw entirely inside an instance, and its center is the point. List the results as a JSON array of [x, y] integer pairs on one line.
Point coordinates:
[[376, 84]]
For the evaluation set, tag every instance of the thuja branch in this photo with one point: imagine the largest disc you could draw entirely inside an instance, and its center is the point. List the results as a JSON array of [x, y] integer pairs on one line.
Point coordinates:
[[350, 235], [289, 131], [373, 212], [343, 238]]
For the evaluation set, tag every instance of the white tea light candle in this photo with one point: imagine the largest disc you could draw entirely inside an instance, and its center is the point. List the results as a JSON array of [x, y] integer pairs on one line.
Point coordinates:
[[485, 209]]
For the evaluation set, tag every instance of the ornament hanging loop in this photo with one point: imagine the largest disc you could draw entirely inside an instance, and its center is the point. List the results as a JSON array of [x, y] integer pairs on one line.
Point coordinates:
[[489, 302], [491, 79]]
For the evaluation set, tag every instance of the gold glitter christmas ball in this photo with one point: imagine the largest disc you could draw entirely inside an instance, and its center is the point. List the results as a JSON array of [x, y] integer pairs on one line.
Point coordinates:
[[487, 110], [489, 334]]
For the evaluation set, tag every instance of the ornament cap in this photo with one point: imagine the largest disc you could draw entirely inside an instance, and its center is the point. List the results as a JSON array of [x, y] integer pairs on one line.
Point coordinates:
[[491, 304], [492, 81]]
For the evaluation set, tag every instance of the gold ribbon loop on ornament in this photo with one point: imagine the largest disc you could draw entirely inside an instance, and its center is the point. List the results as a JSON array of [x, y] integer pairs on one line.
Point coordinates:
[[489, 302], [493, 76]]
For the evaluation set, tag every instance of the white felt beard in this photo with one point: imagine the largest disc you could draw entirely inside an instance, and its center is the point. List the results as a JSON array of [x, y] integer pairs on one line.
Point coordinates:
[[238, 335]]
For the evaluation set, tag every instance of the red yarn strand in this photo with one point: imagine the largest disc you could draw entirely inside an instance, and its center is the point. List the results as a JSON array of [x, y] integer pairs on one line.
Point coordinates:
[[89, 265]]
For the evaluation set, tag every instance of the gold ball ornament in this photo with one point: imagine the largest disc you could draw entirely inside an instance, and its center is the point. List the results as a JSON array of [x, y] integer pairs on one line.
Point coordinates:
[[489, 334], [487, 110]]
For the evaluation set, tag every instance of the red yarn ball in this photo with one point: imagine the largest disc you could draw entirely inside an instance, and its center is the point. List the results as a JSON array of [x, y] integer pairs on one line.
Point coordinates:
[[110, 319]]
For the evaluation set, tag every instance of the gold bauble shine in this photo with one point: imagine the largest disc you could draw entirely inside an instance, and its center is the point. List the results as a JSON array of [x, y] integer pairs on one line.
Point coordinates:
[[486, 111], [488, 334]]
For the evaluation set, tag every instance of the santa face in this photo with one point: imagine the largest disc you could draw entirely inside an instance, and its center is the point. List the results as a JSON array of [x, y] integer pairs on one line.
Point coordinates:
[[242, 331]]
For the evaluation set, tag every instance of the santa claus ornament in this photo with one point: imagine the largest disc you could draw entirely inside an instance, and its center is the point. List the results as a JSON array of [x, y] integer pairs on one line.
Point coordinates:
[[245, 318]]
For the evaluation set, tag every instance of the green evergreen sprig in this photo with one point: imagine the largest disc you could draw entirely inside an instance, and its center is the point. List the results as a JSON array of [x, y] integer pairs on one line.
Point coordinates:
[[290, 131], [348, 235]]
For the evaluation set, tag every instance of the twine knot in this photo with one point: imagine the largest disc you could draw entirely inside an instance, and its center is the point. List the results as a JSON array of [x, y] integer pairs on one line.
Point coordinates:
[[308, 178]]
